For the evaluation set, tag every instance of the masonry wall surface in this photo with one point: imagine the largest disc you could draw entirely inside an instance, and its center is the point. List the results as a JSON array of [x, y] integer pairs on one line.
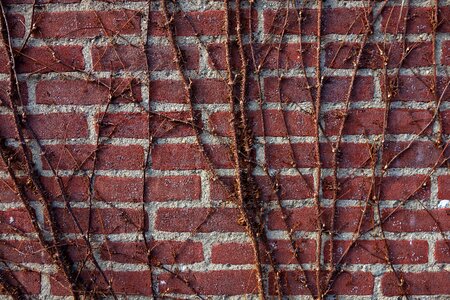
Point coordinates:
[[119, 146]]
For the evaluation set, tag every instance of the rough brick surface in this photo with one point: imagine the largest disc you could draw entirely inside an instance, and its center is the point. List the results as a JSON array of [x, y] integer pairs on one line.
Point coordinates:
[[129, 172]]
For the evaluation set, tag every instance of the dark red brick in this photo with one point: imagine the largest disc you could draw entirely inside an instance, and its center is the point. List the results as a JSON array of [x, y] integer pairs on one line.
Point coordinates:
[[50, 59], [199, 219], [424, 283], [75, 24], [164, 252], [225, 282]]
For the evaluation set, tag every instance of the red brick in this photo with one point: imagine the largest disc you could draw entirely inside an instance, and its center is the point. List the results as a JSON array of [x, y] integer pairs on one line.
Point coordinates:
[[445, 121], [404, 220], [411, 88], [187, 156], [289, 55], [239, 254], [335, 89], [276, 123], [424, 283], [7, 130], [122, 282], [293, 90], [124, 125], [5, 98], [219, 189], [299, 219], [280, 156], [162, 57], [266, 56], [209, 22], [298, 123], [274, 20], [7, 192], [375, 252], [191, 23], [59, 125], [118, 58], [16, 157], [16, 24], [4, 61], [14, 2], [418, 20], [404, 187], [170, 188], [291, 187], [30, 280], [170, 91], [345, 21], [75, 188], [103, 221], [15, 221], [403, 121], [207, 91], [76, 250], [50, 59], [171, 124], [445, 60], [347, 219], [75, 24], [347, 283], [118, 189], [444, 187], [361, 121], [304, 219], [352, 155], [162, 252], [350, 188], [338, 56], [226, 282], [80, 92], [419, 155], [442, 251], [199, 219], [24, 251], [443, 19], [110, 157]]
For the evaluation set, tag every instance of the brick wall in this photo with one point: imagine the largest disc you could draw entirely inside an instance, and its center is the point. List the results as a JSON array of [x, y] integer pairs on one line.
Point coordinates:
[[151, 150]]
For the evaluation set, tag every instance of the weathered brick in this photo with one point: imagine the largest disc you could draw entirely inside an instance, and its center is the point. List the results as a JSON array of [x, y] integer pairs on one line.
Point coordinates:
[[118, 58], [164, 252], [162, 57], [418, 20], [375, 252], [80, 156], [81, 92], [30, 280], [16, 24], [424, 283], [199, 219], [404, 220], [104, 221], [59, 126], [442, 251], [75, 24], [187, 156], [50, 59], [225, 282]]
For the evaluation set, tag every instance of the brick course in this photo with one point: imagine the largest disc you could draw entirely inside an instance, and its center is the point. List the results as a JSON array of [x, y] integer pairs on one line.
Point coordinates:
[[117, 151]]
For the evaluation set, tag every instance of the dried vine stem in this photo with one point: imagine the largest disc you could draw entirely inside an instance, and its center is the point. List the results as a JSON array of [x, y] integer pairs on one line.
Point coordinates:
[[318, 171], [240, 173]]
